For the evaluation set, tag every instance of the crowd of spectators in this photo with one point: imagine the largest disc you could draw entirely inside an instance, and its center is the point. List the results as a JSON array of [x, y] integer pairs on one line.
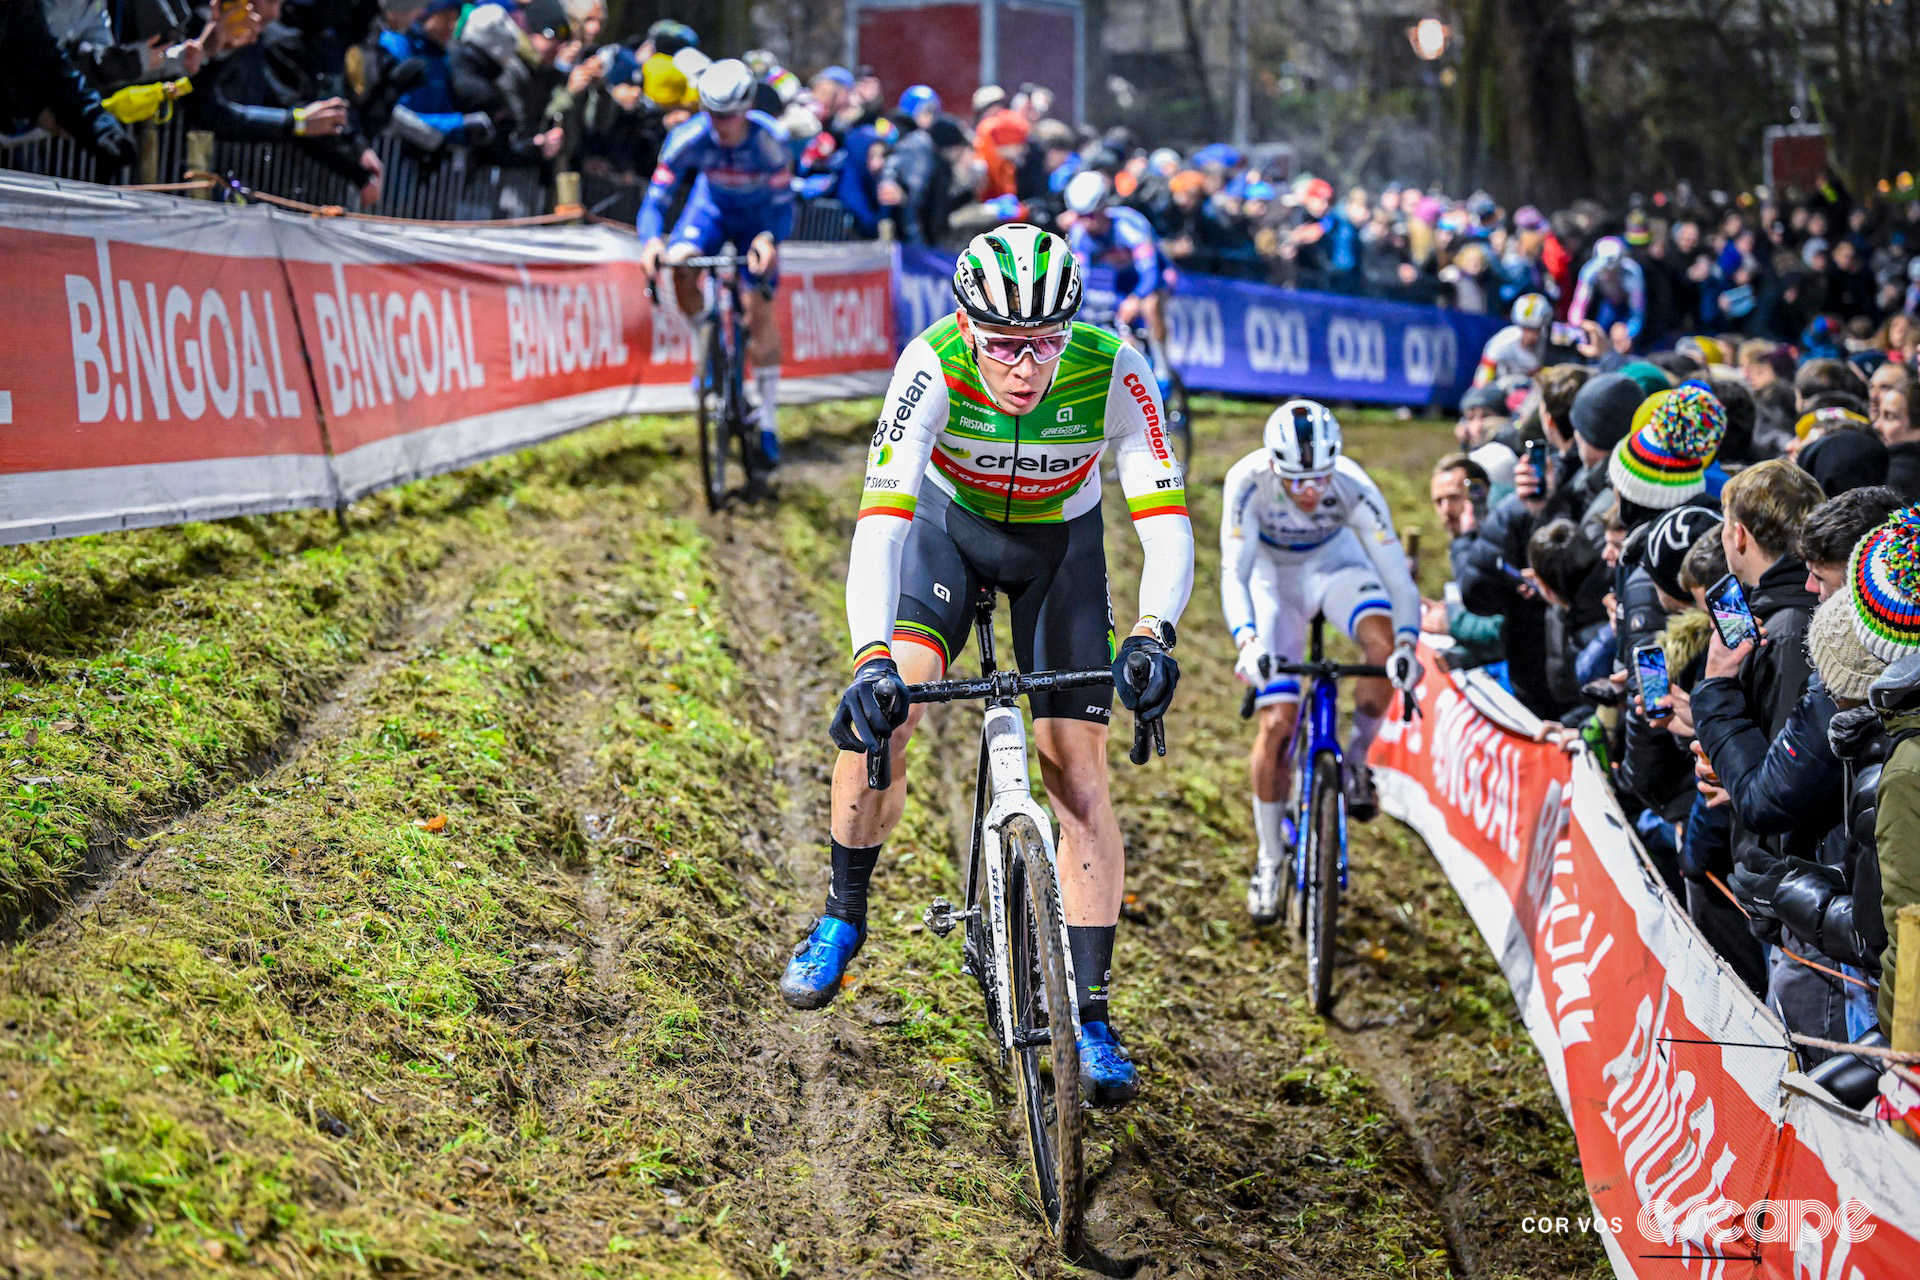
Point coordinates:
[[1598, 511], [541, 82]]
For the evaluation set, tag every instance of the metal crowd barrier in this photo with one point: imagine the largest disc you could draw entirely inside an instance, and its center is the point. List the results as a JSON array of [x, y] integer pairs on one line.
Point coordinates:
[[451, 185]]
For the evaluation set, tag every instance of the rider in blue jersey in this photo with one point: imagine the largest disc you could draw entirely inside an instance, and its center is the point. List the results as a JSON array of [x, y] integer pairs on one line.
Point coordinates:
[[1112, 235], [742, 191]]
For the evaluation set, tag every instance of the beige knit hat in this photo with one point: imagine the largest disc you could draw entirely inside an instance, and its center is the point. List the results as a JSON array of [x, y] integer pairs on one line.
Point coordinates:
[[1844, 664]]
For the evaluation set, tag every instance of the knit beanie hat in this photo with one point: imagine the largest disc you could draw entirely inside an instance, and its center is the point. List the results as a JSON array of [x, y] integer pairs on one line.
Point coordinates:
[[1883, 582], [1844, 664], [1664, 461], [1603, 409], [1649, 376], [1843, 460], [1669, 540]]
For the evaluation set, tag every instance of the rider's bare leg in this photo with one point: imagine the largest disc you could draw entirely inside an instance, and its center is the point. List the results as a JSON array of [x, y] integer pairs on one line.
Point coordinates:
[[1271, 767], [1371, 696], [862, 816], [763, 350], [1156, 314], [1091, 857], [1093, 860], [686, 284]]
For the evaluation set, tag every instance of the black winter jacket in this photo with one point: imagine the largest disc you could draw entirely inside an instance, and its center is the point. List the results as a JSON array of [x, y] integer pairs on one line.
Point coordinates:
[[35, 77], [1480, 563]]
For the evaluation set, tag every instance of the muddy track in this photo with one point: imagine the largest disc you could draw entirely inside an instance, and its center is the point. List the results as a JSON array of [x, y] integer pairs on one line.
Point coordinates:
[[1267, 1140], [629, 1095], [114, 853]]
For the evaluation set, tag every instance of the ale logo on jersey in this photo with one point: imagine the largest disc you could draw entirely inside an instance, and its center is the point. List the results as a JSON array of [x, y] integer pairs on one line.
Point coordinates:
[[1156, 438]]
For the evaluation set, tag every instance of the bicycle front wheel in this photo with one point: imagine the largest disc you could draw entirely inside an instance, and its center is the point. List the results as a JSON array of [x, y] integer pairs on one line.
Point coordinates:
[[1045, 1049], [1323, 878], [711, 393]]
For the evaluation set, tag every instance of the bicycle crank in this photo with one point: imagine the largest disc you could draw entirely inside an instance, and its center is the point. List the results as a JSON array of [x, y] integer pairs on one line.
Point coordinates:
[[942, 919]]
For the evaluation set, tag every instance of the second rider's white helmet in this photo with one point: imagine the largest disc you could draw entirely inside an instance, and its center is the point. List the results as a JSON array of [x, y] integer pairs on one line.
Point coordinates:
[[726, 87], [1532, 311], [1087, 191], [1303, 438]]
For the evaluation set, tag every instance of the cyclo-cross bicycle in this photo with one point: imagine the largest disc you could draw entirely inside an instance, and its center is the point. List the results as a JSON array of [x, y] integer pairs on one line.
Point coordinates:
[[727, 422], [1015, 944], [1310, 898]]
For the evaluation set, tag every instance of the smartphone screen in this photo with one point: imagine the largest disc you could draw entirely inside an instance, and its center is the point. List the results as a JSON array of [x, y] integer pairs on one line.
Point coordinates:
[[1537, 458], [1512, 572], [1728, 604], [1566, 335], [1650, 663]]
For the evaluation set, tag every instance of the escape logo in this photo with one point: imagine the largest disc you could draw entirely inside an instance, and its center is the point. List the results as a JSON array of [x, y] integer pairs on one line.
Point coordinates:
[[1723, 1222]]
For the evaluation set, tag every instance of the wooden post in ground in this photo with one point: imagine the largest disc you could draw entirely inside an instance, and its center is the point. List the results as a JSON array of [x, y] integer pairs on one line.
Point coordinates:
[[200, 157], [566, 194], [1905, 1031], [146, 169]]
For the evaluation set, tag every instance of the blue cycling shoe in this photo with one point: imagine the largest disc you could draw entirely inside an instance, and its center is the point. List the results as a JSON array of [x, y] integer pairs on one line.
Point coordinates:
[[770, 447], [819, 962], [1106, 1072]]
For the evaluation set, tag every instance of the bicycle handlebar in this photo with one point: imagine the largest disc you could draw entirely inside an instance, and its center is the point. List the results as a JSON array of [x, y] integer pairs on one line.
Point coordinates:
[[1323, 671], [1012, 684]]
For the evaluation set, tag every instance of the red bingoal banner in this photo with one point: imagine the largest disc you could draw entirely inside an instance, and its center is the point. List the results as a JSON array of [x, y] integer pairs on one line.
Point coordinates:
[[1705, 1152], [174, 360]]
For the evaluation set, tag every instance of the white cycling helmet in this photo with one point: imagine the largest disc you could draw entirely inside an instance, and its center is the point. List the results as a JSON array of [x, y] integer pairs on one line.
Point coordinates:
[[1087, 191], [1303, 438], [726, 87], [1532, 311], [1017, 275]]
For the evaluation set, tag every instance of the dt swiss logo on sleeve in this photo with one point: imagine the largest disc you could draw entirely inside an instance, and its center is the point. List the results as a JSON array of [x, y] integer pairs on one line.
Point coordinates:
[[1156, 438]]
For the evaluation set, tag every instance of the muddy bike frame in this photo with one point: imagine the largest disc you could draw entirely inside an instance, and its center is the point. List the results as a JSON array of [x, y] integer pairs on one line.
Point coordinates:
[[722, 331], [1015, 969], [1002, 791], [1316, 747]]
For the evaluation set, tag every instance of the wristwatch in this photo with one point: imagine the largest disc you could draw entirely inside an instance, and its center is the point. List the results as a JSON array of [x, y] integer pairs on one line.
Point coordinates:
[[1161, 630]]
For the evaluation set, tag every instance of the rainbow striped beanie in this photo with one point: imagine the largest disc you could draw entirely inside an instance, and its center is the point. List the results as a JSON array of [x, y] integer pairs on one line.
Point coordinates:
[[1663, 461], [1883, 582]]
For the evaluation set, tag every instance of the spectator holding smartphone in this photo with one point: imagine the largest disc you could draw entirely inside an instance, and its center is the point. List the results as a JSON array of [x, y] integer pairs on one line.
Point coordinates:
[[1750, 696]]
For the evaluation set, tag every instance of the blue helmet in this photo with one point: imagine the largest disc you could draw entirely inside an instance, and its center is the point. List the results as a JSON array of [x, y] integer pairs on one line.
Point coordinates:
[[918, 97]]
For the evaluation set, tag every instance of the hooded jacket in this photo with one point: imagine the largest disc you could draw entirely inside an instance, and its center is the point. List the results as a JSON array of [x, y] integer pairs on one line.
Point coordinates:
[[1897, 837], [1903, 469]]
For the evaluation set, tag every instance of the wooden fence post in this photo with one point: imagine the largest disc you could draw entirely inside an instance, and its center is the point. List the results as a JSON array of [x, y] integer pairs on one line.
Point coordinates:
[[566, 194], [200, 156], [1905, 1031], [146, 169]]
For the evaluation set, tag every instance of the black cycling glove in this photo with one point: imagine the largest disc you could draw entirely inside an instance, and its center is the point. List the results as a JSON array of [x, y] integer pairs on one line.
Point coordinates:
[[873, 706], [1151, 697]]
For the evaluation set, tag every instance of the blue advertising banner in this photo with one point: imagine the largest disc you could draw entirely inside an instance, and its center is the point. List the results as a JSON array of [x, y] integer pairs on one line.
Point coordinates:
[[1259, 340]]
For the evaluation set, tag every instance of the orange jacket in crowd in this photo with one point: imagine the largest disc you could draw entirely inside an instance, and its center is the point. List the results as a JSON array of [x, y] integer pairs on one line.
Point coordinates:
[[997, 141]]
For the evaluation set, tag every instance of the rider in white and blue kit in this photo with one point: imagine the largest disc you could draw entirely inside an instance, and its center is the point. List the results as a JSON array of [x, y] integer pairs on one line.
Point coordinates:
[[741, 175], [1109, 234]]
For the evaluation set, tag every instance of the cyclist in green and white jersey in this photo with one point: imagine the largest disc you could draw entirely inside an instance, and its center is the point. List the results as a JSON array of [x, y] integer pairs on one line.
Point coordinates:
[[985, 472]]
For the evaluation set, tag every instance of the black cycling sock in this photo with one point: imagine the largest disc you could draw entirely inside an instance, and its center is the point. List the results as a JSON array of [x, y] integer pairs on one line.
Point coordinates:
[[852, 872], [1092, 947]]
